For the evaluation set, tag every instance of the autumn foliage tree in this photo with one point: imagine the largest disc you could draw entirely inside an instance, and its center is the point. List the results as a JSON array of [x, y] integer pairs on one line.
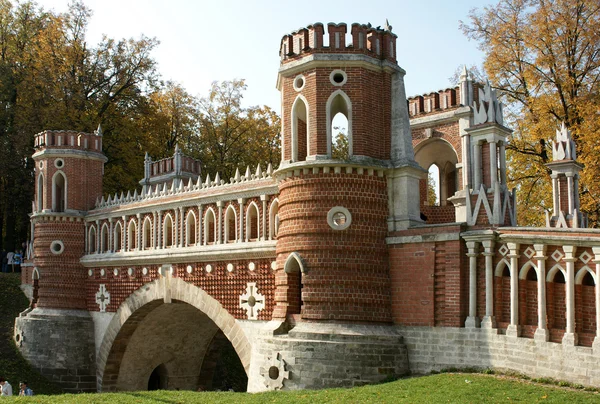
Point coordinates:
[[544, 57], [52, 78]]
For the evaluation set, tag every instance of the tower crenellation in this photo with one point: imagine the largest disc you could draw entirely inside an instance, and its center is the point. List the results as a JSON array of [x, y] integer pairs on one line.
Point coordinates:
[[364, 39]]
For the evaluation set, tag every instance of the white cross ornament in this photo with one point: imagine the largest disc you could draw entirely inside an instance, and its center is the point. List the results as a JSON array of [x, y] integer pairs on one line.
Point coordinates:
[[102, 298], [252, 301]]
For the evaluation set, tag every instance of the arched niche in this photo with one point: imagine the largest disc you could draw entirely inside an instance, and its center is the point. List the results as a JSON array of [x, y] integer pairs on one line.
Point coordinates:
[[300, 129], [339, 103], [59, 192], [441, 153]]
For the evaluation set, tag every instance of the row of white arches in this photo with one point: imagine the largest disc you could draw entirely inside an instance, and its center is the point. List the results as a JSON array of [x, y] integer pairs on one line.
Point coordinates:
[[338, 106], [178, 230], [551, 273]]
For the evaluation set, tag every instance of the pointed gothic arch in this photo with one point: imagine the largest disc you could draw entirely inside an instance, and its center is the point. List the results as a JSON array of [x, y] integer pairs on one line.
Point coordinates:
[[210, 228], [168, 239], [118, 237], [147, 234], [274, 219], [252, 222], [104, 244], [92, 240], [131, 235], [40, 192], [300, 138], [190, 228], [338, 102], [59, 192], [231, 230]]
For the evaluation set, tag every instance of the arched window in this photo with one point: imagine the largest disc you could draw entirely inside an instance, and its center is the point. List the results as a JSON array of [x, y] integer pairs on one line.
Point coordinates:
[[40, 193], [339, 103], [104, 247], [147, 233], [132, 235], [252, 223], [190, 228], [92, 240], [59, 192], [433, 185], [210, 230], [274, 219], [230, 225], [300, 138], [168, 231], [294, 268], [117, 237]]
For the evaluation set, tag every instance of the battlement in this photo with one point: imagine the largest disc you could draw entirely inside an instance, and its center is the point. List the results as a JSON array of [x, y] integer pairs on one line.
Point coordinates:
[[439, 101], [66, 139], [363, 39]]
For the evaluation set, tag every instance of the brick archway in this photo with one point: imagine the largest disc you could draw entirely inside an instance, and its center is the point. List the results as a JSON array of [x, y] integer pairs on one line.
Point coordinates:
[[143, 301]]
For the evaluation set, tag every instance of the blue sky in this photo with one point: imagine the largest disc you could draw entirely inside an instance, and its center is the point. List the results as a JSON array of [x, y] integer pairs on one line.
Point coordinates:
[[203, 41]]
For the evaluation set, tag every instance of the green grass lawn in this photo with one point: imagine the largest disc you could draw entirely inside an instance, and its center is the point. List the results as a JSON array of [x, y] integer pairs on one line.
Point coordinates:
[[442, 388]]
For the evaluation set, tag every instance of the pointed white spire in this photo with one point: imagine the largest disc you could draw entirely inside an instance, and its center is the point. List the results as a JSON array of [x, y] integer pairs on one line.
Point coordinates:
[[269, 170], [199, 183], [207, 183], [102, 201], [99, 130], [135, 195], [258, 172], [237, 177], [564, 146], [247, 174], [217, 179], [180, 187], [173, 187], [128, 197], [190, 184]]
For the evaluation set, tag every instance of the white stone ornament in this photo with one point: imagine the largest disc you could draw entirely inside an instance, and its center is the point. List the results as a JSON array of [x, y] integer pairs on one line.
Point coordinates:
[[102, 298], [116, 272], [274, 265], [564, 146], [251, 266], [230, 267], [276, 372], [130, 271], [189, 269], [90, 272], [145, 271], [252, 301], [209, 268], [490, 109]]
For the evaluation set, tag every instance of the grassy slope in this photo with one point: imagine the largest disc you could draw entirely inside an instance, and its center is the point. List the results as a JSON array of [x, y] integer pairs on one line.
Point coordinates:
[[443, 388], [12, 365]]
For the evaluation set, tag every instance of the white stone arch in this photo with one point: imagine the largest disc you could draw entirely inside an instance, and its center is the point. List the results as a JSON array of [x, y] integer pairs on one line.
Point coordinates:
[[525, 269], [132, 235], [35, 274], [147, 234], [300, 110], [252, 206], [500, 267], [92, 240], [190, 228], [210, 217], [230, 214], [168, 239], [59, 192], [104, 239], [118, 237], [552, 272], [294, 263], [155, 291], [441, 153], [582, 273], [273, 219], [332, 107], [40, 192]]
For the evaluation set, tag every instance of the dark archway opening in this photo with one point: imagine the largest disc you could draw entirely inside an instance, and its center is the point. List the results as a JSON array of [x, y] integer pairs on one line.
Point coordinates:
[[222, 369], [158, 378]]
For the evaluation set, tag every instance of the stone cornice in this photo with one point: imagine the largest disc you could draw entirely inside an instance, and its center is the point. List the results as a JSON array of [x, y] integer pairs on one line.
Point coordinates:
[[69, 153]]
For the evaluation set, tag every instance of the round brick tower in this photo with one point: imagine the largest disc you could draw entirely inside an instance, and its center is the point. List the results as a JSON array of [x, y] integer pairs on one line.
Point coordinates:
[[69, 168], [336, 210]]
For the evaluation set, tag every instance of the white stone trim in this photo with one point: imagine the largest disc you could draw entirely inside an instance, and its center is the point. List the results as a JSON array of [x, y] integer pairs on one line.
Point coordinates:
[[339, 209]]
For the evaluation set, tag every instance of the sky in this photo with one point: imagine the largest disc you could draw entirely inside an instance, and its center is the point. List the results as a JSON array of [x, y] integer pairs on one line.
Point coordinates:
[[203, 41]]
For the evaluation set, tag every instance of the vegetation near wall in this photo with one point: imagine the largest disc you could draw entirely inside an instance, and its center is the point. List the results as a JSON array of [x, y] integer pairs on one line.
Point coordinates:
[[52, 78], [544, 57]]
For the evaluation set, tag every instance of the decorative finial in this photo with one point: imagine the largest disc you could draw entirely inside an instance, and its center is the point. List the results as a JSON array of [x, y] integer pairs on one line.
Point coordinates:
[[564, 146], [490, 109], [388, 27], [99, 130], [464, 75]]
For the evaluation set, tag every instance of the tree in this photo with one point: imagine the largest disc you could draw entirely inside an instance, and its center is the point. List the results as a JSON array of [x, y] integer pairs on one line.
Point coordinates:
[[231, 136], [340, 149], [544, 57]]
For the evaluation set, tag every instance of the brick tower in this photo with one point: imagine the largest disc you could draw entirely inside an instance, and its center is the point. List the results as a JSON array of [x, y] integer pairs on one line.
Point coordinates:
[[335, 212], [69, 168]]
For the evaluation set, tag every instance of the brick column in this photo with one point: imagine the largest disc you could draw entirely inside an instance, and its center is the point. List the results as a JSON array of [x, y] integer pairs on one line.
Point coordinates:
[[241, 239], [97, 240], [159, 241], [200, 229], [220, 223], [555, 197], [596, 343], [541, 334], [477, 166], [493, 164], [263, 236], [139, 232], [472, 320], [111, 247], [154, 236], [514, 329], [124, 229], [176, 228]]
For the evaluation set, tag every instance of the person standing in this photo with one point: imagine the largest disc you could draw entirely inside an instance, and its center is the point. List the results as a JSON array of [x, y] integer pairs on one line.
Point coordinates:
[[17, 259], [9, 262], [24, 389], [6, 387]]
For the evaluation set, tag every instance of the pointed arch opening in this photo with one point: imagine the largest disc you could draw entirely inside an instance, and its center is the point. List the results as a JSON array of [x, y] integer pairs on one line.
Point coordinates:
[[433, 185], [132, 235], [300, 131], [118, 237], [168, 231], [556, 301], [439, 152], [230, 225], [147, 234], [104, 247], [35, 276], [40, 193], [59, 192], [210, 229], [502, 294], [339, 104], [585, 306], [252, 223], [528, 299], [92, 240], [294, 268], [274, 219], [190, 228]]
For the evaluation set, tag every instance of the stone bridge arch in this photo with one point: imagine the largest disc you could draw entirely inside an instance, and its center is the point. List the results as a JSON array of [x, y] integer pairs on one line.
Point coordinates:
[[145, 300]]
